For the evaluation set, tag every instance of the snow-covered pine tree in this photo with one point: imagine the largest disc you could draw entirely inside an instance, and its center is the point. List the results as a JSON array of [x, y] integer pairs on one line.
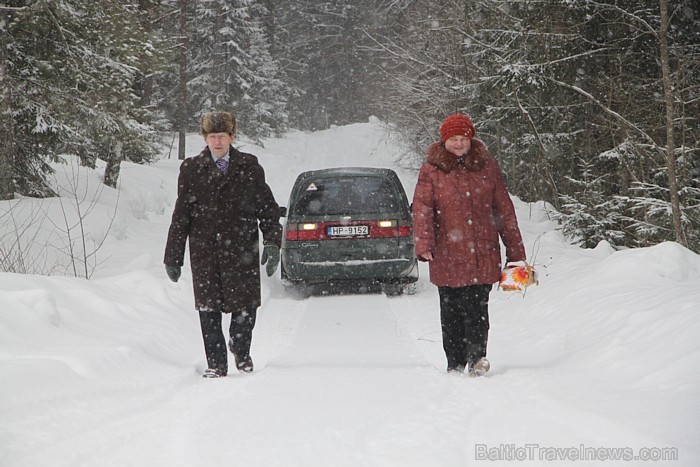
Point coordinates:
[[421, 54], [587, 215], [638, 92], [70, 69], [233, 69], [322, 46], [122, 130], [549, 83], [7, 188]]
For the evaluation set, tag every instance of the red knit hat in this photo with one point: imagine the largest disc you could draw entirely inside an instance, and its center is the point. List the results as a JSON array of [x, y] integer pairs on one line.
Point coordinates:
[[457, 125]]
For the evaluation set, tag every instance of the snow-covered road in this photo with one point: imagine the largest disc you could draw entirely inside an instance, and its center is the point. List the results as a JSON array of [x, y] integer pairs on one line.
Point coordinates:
[[598, 360], [347, 380]]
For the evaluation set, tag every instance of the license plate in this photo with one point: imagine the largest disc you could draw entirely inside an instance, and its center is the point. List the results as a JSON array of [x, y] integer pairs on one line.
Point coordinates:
[[348, 231]]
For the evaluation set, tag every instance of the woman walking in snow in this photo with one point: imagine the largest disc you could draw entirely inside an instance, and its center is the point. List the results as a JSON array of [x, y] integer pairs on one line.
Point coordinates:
[[461, 207]]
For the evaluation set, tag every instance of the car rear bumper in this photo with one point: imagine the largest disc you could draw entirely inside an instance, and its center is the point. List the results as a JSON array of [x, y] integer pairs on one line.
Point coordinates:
[[397, 270]]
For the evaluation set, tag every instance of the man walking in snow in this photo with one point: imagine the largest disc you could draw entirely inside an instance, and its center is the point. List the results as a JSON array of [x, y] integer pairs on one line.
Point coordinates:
[[222, 200]]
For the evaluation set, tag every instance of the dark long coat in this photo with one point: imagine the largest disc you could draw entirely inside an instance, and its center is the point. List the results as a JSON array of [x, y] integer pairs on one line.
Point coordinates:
[[460, 209], [220, 214]]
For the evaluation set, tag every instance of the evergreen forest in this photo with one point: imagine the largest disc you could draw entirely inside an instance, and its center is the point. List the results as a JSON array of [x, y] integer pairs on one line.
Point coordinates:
[[590, 105]]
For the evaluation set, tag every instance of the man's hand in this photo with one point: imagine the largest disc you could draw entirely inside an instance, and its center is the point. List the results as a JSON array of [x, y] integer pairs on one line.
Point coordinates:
[[173, 272], [271, 256]]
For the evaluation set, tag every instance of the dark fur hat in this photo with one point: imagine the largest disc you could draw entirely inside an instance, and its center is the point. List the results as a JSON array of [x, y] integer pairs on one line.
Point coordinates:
[[217, 122]]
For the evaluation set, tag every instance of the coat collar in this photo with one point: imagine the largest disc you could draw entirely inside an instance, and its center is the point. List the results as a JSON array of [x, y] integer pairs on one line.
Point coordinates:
[[444, 160], [206, 159]]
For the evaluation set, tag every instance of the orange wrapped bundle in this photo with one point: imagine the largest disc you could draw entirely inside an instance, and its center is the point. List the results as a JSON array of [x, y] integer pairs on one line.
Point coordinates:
[[517, 278]]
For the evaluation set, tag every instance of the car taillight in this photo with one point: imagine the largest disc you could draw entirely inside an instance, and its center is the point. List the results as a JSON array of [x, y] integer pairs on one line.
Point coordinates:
[[383, 229], [300, 231], [392, 228], [404, 229]]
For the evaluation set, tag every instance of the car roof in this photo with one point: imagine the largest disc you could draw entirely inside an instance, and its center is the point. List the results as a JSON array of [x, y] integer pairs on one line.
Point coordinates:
[[345, 171]]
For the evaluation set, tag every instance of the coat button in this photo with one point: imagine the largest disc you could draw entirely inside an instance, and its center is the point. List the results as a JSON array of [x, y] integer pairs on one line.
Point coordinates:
[[468, 193], [469, 222]]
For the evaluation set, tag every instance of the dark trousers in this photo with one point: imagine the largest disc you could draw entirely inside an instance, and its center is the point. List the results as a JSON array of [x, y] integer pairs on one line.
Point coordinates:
[[240, 332], [464, 315]]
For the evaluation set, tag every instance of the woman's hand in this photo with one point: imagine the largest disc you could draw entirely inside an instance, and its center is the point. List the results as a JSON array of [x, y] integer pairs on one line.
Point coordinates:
[[427, 256]]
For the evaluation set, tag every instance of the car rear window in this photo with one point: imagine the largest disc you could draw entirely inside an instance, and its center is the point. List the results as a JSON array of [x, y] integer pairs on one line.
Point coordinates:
[[348, 195]]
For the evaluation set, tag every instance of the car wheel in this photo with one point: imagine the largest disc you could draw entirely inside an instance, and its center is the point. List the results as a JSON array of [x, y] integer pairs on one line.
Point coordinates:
[[297, 290], [410, 289], [392, 290]]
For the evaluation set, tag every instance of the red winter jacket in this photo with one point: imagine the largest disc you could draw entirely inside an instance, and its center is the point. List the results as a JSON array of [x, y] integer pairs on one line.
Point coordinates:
[[460, 208]]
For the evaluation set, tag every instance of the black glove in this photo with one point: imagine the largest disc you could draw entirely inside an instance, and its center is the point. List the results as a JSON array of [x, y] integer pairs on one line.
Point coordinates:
[[271, 256], [173, 272]]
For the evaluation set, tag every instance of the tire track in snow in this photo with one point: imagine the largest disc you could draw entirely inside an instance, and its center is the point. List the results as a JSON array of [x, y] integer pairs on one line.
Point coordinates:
[[341, 386]]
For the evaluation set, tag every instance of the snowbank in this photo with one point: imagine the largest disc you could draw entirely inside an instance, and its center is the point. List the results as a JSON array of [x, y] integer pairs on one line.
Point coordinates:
[[603, 353]]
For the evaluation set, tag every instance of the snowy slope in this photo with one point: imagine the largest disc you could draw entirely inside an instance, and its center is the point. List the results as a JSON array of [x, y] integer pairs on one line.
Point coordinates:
[[601, 359]]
